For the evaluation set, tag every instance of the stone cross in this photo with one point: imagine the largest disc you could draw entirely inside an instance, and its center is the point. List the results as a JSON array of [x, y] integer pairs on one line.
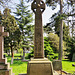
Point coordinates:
[[2, 34], [38, 7]]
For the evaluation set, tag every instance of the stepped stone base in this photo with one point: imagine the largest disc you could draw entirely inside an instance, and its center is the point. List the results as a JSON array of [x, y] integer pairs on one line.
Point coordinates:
[[5, 72], [40, 67], [4, 60], [5, 68]]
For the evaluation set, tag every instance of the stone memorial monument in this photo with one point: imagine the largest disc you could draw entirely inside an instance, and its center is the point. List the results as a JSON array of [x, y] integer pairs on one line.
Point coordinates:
[[4, 66], [73, 58], [57, 65], [39, 65]]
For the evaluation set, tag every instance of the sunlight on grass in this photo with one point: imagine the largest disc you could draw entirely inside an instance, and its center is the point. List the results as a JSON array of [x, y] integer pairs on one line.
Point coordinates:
[[67, 66], [19, 67]]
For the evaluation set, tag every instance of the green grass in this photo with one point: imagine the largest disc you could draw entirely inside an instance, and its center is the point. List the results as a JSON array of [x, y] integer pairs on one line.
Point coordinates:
[[21, 67], [67, 66], [18, 66]]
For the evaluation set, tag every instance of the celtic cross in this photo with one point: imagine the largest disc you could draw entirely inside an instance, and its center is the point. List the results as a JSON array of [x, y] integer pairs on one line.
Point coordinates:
[[38, 7]]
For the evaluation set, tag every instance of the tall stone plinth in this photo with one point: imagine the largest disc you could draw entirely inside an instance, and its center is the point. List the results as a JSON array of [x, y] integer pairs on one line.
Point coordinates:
[[40, 67]]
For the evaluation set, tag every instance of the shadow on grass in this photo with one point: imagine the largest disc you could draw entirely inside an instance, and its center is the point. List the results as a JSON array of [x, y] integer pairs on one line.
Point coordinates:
[[67, 60], [18, 62]]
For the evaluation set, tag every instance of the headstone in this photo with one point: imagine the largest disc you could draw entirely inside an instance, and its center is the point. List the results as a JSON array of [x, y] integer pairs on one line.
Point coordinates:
[[4, 66], [73, 58], [57, 65], [39, 65]]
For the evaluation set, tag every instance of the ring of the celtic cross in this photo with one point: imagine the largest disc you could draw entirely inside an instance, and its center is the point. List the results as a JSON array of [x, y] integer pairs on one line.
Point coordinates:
[[35, 6]]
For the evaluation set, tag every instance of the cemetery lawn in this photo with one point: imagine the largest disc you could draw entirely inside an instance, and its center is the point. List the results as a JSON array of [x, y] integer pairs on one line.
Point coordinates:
[[67, 66], [18, 67], [21, 67]]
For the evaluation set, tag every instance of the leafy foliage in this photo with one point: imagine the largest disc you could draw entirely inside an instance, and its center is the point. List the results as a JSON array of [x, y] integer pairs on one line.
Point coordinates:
[[48, 50], [3, 3], [54, 41], [24, 19], [9, 22], [71, 48]]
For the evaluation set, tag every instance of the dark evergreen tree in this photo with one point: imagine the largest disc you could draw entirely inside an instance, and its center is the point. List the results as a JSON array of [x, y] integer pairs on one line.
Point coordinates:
[[71, 48], [24, 19]]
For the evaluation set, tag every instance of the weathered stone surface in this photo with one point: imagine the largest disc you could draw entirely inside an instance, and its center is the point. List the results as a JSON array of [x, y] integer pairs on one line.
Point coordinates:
[[57, 64], [36, 67], [4, 66], [73, 58], [38, 6], [2, 34], [6, 72], [4, 60]]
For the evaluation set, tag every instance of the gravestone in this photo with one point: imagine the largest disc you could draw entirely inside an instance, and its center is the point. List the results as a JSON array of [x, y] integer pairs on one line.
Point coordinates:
[[38, 7], [57, 65], [39, 65], [73, 58], [4, 66]]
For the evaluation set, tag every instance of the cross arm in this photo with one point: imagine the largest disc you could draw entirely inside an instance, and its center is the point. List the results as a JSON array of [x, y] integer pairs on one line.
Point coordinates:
[[5, 33]]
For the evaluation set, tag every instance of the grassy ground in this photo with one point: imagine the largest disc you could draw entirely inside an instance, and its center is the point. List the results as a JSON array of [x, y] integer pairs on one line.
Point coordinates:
[[21, 67], [18, 66], [67, 66]]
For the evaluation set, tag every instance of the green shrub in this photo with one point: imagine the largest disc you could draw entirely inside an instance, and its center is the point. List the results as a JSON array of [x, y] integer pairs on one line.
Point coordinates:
[[71, 48], [29, 55]]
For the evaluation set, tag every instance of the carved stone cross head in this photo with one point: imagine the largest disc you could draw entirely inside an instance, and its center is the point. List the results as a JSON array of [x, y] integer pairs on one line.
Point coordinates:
[[38, 5]]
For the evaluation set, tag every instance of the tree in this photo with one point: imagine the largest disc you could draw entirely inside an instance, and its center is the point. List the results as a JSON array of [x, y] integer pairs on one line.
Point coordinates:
[[53, 4], [3, 2], [71, 48], [66, 32], [48, 49], [10, 25], [24, 19], [54, 41]]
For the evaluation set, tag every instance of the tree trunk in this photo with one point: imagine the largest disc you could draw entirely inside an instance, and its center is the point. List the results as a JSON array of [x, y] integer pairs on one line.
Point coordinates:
[[61, 35], [9, 53], [23, 58], [72, 28], [12, 55]]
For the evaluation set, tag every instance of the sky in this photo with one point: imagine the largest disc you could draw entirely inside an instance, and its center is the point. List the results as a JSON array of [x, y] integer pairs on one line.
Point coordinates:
[[45, 16]]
